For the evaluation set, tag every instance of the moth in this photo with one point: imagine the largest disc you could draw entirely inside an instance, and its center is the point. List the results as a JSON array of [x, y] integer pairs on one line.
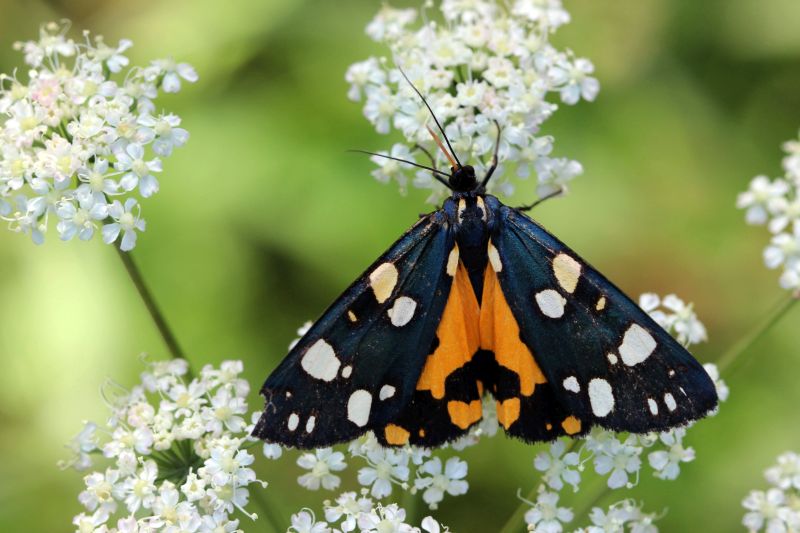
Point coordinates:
[[478, 299]]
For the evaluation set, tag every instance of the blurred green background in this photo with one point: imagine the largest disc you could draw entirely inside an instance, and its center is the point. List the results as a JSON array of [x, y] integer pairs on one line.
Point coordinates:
[[263, 219]]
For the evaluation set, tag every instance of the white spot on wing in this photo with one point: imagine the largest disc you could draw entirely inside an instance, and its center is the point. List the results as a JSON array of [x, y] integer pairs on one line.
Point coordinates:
[[320, 361], [612, 358], [551, 303], [358, 407], [670, 402], [572, 385], [293, 421], [494, 258], [452, 261], [567, 271], [402, 311], [601, 396], [651, 403], [310, 424], [383, 280], [637, 345], [387, 391], [346, 371]]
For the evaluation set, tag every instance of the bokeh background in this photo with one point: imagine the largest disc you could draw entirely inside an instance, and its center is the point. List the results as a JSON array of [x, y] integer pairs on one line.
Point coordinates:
[[263, 218]]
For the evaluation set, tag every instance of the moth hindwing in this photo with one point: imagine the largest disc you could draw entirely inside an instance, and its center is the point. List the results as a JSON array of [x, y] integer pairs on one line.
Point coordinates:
[[477, 300]]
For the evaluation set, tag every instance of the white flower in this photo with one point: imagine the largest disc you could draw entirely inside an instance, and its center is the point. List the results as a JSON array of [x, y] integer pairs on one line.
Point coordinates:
[[769, 510], [757, 199], [678, 318], [347, 510], [786, 474], [667, 463], [80, 131], [546, 516], [304, 522], [224, 411], [389, 519], [125, 221], [82, 445], [163, 479], [722, 388], [385, 466], [620, 515], [492, 62], [437, 482], [619, 459], [557, 469], [321, 464]]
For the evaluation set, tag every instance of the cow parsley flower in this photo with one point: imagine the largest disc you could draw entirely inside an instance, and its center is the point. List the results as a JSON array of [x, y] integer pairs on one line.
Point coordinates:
[[546, 516], [559, 468], [321, 465], [776, 509], [675, 316], [159, 475], [776, 203], [80, 138], [667, 463], [620, 517], [490, 64], [437, 482], [351, 512]]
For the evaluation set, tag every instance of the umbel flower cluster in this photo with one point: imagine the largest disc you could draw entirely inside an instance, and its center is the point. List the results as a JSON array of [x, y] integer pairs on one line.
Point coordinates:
[[776, 510], [480, 64], [81, 140], [776, 204], [174, 453]]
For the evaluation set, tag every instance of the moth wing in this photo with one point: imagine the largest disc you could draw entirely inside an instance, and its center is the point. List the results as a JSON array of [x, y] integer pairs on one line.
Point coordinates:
[[358, 365], [604, 360]]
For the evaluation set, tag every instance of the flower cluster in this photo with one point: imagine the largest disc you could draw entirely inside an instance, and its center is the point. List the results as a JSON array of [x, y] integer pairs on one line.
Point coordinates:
[[776, 204], [778, 508], [175, 453], [81, 139], [481, 65], [619, 458], [351, 512]]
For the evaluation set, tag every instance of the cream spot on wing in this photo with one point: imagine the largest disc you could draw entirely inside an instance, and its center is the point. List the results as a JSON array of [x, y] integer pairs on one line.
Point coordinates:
[[601, 396], [494, 258], [551, 303], [346, 371], [567, 271], [601, 304], [671, 373], [293, 421], [572, 385], [462, 205], [482, 207], [402, 311], [310, 424], [637, 345], [383, 280], [651, 403], [670, 402], [612, 358], [387, 391], [358, 407], [452, 261], [351, 316], [320, 361]]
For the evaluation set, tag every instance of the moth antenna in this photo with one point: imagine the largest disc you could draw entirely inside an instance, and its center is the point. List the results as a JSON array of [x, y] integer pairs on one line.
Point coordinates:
[[438, 141], [436, 120], [436, 173]]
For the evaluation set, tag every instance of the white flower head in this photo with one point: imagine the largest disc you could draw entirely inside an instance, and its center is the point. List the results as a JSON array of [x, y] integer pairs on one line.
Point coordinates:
[[437, 481], [546, 516], [491, 65], [321, 465], [557, 467], [80, 136]]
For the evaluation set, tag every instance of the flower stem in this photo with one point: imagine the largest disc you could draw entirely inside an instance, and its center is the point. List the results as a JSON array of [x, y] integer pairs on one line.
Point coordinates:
[[149, 302], [270, 515], [514, 524], [726, 362]]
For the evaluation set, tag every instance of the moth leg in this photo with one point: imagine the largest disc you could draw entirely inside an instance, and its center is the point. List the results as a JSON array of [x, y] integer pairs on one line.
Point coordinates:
[[494, 157]]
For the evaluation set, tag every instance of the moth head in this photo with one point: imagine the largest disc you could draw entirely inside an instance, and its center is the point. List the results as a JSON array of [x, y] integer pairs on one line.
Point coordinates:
[[462, 178]]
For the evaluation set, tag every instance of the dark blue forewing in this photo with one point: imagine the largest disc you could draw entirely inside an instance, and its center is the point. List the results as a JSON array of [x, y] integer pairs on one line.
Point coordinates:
[[358, 365], [605, 360]]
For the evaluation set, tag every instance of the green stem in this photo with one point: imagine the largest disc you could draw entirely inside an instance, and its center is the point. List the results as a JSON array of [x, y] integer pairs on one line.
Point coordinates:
[[270, 514], [514, 524], [411, 506], [150, 303], [584, 513], [726, 362]]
